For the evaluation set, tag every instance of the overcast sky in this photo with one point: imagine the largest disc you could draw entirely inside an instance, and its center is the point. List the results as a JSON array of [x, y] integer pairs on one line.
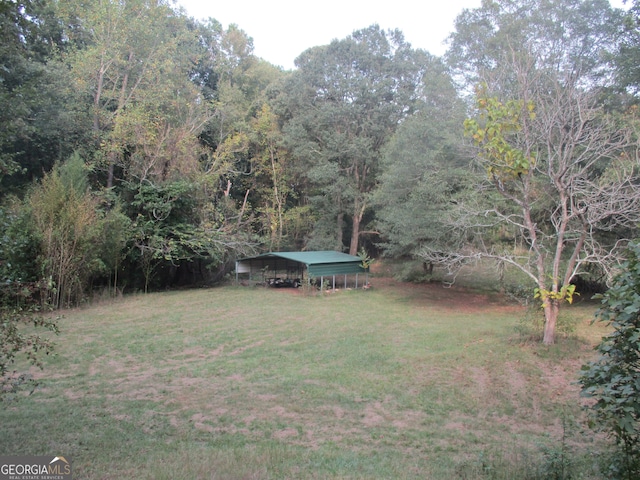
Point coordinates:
[[283, 29]]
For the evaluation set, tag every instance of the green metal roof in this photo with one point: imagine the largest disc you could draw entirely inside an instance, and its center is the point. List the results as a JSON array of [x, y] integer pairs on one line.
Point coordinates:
[[312, 258], [318, 263]]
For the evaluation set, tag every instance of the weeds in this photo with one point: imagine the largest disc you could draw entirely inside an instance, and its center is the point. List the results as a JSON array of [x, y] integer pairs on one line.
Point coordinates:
[[530, 325], [551, 460]]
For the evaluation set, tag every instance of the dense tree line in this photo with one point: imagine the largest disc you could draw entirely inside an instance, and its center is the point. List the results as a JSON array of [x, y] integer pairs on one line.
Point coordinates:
[[142, 149]]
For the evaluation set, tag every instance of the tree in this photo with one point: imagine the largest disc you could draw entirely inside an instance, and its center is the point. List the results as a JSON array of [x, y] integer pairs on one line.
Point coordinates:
[[163, 225], [566, 172], [25, 326], [68, 226], [245, 161], [159, 104], [573, 39], [627, 57], [342, 106], [233, 80], [568, 178], [135, 68], [423, 171], [174, 228], [271, 174], [38, 125], [613, 380]]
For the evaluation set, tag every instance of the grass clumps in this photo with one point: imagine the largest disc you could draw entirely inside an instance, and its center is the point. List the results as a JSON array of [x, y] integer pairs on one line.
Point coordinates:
[[400, 381]]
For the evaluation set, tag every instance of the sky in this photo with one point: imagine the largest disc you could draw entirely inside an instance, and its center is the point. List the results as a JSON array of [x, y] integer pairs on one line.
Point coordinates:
[[283, 29]]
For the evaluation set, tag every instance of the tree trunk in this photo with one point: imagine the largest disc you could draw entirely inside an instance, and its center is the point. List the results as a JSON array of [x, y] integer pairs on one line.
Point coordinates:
[[355, 234], [551, 310], [277, 199], [339, 237], [113, 157], [110, 170]]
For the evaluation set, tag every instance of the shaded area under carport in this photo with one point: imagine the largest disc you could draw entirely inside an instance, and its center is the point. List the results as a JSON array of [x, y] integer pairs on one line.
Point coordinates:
[[292, 269]]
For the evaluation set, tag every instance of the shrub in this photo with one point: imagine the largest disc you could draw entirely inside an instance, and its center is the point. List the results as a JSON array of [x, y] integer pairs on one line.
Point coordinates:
[[613, 380], [22, 325]]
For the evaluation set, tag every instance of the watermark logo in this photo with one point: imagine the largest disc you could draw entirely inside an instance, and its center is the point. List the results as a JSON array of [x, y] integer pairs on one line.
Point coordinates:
[[35, 468]]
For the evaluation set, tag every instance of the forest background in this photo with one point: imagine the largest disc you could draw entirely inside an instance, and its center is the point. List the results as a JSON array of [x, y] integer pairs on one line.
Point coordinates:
[[142, 149]]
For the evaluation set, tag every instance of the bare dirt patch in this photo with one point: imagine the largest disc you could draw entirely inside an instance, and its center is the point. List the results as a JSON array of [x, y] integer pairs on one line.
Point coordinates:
[[453, 297], [436, 294]]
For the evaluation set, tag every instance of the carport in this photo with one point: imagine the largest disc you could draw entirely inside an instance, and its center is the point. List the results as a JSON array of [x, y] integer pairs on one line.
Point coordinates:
[[326, 268]]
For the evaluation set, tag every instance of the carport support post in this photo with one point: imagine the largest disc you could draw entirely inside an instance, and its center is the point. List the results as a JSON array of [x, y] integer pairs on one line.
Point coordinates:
[[236, 273]]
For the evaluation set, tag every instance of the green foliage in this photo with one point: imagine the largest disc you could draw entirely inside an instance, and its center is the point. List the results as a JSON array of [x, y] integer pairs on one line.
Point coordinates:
[[343, 104], [171, 226], [18, 243], [22, 333], [68, 227], [566, 292], [367, 261], [627, 57], [423, 173], [272, 178], [74, 174], [158, 99], [492, 132], [613, 381], [39, 125], [162, 228], [500, 32], [544, 140]]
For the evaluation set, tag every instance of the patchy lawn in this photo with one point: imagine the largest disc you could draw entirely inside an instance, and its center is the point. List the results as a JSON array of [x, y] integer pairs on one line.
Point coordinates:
[[400, 381]]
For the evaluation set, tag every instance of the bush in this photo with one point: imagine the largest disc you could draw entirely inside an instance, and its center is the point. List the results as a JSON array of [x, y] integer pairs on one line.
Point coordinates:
[[613, 380], [22, 324]]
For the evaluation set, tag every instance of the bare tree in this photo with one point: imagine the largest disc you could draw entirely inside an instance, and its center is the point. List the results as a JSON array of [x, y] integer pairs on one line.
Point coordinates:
[[562, 173], [568, 178]]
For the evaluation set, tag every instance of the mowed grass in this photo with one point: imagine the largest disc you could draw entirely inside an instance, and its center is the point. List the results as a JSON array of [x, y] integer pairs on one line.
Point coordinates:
[[397, 382]]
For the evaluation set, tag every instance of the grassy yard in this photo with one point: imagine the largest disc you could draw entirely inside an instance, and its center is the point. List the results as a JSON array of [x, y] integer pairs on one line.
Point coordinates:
[[397, 382]]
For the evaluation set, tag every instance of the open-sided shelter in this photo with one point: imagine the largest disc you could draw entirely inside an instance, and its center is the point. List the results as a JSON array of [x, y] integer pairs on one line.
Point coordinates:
[[294, 268]]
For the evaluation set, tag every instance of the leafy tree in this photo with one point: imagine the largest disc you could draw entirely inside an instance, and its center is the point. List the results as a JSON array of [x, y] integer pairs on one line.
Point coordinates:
[[38, 126], [135, 68], [573, 39], [341, 107], [171, 229], [234, 81], [627, 57], [24, 326], [244, 161], [162, 225], [423, 171], [568, 186], [17, 244], [160, 103], [271, 174], [68, 227], [613, 380]]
